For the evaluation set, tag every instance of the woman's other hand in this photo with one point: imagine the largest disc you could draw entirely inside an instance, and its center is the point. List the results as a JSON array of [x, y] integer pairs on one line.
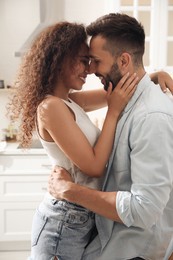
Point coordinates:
[[163, 79]]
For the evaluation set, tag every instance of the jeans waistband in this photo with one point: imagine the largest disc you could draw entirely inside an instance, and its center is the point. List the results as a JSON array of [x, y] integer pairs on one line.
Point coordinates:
[[64, 203]]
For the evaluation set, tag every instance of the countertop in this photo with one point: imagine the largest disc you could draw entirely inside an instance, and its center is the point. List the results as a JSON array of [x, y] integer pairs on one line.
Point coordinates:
[[8, 148]]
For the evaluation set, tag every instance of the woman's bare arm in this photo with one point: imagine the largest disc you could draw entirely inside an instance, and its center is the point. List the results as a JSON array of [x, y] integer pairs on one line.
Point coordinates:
[[59, 123], [91, 100]]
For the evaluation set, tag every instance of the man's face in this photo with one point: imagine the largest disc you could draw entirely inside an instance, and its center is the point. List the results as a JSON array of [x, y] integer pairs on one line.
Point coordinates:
[[103, 64]]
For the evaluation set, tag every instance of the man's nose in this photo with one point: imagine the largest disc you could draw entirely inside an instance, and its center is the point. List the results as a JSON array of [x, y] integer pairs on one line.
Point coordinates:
[[91, 68]]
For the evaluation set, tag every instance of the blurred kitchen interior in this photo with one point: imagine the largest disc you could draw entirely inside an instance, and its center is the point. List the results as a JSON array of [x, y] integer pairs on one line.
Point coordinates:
[[21, 20]]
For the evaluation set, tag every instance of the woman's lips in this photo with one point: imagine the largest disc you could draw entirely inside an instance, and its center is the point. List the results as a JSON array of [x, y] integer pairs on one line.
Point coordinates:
[[83, 79]]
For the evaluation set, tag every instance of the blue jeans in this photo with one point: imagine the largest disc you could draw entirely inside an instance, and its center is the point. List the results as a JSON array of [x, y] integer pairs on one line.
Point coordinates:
[[61, 229]]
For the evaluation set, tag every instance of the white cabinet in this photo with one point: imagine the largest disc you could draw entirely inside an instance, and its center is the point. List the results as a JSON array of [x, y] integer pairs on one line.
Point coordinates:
[[23, 182]]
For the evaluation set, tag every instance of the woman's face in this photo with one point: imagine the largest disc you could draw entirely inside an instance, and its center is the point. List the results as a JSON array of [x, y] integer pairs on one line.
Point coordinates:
[[74, 74]]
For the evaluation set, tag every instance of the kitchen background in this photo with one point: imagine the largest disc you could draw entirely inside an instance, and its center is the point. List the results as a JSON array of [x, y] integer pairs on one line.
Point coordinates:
[[20, 20], [21, 186]]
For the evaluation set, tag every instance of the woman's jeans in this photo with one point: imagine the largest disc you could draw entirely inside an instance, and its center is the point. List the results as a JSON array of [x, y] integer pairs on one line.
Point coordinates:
[[61, 229]]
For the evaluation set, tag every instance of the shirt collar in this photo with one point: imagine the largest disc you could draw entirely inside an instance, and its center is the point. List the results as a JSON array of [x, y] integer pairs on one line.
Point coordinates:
[[145, 81]]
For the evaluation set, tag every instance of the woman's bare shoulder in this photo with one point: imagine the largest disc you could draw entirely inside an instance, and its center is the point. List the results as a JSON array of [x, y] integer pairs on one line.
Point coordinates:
[[50, 102]]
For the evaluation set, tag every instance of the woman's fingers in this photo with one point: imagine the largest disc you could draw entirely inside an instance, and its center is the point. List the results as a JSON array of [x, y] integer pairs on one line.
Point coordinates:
[[127, 82], [122, 81], [109, 90], [129, 89], [130, 82]]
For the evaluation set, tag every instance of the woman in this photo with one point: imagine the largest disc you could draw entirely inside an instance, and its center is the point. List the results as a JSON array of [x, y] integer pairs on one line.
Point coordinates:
[[57, 63]]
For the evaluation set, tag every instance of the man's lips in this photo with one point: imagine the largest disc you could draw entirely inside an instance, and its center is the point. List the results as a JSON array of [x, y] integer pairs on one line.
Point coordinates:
[[102, 80]]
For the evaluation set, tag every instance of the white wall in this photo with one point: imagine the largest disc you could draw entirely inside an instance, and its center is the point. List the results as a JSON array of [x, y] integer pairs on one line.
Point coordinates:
[[19, 18], [84, 11]]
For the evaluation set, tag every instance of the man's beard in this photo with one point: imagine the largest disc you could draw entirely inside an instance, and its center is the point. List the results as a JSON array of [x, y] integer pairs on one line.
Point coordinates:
[[114, 77]]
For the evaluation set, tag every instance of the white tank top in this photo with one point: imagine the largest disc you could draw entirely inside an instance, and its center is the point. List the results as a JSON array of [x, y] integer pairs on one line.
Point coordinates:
[[58, 157]]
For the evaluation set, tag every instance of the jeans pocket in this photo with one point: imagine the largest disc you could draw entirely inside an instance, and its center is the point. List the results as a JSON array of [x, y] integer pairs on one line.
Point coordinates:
[[77, 219], [39, 222]]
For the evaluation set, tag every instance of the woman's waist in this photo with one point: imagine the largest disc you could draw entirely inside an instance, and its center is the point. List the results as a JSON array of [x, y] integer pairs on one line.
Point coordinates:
[[63, 204]]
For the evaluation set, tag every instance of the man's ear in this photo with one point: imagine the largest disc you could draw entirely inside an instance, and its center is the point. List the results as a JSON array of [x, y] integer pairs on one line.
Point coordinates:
[[124, 61]]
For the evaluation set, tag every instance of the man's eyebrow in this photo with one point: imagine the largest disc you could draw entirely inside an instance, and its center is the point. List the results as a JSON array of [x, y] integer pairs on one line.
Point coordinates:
[[92, 57]]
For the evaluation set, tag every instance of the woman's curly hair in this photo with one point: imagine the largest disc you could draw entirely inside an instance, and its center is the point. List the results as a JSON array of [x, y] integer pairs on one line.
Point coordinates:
[[39, 72]]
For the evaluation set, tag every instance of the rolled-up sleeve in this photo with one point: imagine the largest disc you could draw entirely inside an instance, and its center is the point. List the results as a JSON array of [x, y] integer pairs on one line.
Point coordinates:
[[151, 143]]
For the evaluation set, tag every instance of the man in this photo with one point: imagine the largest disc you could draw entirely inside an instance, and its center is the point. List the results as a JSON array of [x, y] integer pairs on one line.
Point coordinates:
[[134, 213]]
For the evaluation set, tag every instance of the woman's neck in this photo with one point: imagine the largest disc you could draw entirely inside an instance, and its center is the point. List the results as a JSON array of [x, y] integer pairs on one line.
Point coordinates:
[[61, 92]]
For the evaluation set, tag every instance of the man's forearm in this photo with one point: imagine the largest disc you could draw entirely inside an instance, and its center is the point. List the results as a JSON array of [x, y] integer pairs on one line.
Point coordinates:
[[102, 203], [61, 186]]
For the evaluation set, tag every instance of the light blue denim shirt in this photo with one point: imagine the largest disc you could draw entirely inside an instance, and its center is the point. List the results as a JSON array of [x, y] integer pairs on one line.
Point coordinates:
[[141, 170]]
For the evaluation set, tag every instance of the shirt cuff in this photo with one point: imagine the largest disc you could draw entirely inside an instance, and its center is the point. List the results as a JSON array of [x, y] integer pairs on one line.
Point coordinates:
[[123, 208]]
